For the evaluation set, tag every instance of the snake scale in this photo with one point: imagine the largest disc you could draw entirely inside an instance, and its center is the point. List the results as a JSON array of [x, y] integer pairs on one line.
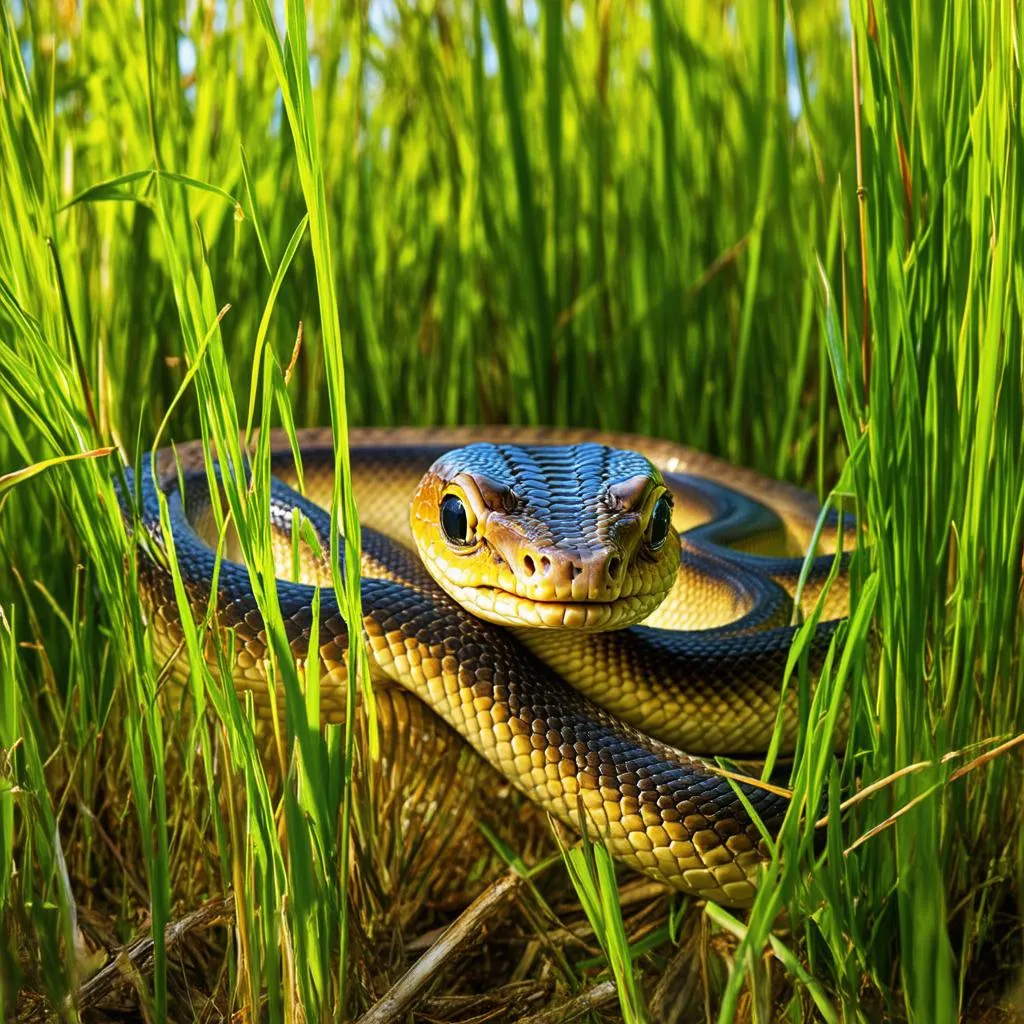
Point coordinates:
[[504, 574]]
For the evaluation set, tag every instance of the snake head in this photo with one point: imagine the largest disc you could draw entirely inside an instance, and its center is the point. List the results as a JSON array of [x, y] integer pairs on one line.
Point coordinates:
[[576, 536]]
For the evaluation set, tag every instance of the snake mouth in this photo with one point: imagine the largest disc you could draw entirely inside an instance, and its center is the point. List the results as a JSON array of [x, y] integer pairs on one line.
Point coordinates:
[[510, 609]]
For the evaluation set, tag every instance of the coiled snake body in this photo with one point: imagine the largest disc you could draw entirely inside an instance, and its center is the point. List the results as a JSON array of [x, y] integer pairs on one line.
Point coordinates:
[[538, 550]]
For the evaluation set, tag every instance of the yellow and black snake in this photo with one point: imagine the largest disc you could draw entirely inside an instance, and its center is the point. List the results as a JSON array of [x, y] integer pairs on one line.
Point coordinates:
[[505, 571]]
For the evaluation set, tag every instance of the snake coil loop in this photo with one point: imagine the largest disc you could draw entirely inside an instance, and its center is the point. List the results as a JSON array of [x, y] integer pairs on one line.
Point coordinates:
[[502, 586]]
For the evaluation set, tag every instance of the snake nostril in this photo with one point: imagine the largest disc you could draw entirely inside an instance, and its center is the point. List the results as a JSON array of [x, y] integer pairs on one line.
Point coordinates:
[[545, 564], [575, 570], [614, 566], [528, 565]]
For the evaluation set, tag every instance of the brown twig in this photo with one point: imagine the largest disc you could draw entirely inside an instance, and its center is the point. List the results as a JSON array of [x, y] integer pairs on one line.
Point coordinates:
[[749, 780], [296, 349], [977, 762], [988, 756], [137, 956], [918, 766], [593, 999], [396, 1001]]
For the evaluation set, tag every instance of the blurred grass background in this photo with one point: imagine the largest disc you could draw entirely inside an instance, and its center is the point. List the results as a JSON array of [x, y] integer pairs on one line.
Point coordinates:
[[671, 220]]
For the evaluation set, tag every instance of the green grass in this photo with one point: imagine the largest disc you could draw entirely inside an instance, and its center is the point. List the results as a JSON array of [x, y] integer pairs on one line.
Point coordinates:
[[605, 215]]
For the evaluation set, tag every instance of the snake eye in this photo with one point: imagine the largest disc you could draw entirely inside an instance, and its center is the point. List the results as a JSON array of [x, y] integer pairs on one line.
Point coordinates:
[[454, 520], [661, 522]]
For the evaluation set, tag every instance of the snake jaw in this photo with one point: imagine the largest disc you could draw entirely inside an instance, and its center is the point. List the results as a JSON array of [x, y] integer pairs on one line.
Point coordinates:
[[505, 608]]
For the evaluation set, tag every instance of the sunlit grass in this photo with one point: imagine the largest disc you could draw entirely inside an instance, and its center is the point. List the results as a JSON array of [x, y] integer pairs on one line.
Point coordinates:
[[653, 219]]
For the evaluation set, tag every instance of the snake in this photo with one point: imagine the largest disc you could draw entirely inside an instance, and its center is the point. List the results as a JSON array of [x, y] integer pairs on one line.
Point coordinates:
[[601, 616]]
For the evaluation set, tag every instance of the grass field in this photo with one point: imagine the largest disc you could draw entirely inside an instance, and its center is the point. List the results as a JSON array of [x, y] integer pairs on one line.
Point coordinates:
[[788, 233]]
